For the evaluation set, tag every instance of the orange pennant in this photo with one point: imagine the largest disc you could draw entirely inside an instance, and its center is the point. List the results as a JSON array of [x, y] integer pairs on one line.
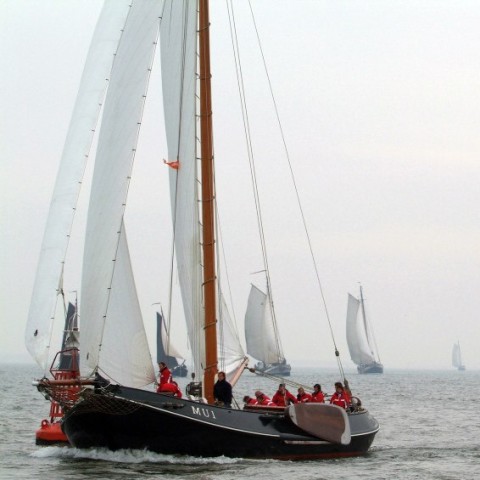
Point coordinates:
[[175, 164]]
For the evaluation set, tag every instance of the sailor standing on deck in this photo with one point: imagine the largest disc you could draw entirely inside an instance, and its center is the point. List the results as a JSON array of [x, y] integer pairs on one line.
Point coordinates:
[[222, 391]]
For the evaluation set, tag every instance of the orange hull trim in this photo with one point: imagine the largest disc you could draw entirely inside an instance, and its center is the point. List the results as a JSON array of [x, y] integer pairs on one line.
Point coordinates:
[[50, 434]]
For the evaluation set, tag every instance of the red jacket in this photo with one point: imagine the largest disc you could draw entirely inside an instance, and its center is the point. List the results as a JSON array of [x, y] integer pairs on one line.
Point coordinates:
[[304, 398], [170, 388], [318, 397], [283, 399], [165, 376], [264, 401], [341, 399]]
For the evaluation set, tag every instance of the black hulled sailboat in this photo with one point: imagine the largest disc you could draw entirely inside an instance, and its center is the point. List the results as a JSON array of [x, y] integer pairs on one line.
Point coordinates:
[[115, 410]]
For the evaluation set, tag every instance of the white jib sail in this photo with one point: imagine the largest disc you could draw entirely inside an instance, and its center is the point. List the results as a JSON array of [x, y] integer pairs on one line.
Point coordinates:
[[259, 332], [91, 93], [360, 351], [125, 355], [178, 36], [116, 149]]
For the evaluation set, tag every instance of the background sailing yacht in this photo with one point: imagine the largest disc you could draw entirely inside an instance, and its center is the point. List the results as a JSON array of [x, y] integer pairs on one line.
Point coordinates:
[[262, 335], [360, 338], [457, 361]]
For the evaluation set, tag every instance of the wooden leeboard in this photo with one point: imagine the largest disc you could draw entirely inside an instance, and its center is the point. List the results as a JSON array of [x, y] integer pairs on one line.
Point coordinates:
[[324, 421]]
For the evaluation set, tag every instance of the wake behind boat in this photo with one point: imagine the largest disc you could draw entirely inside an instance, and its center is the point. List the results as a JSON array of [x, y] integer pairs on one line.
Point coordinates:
[[114, 409]]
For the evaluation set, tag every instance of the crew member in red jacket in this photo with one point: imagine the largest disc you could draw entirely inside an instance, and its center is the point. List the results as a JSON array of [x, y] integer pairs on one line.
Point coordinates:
[[249, 400], [262, 399], [317, 395], [170, 388], [340, 397], [165, 376], [283, 397], [303, 396]]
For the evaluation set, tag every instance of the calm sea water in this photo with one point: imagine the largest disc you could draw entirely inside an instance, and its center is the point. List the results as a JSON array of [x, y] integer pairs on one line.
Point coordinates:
[[430, 429]]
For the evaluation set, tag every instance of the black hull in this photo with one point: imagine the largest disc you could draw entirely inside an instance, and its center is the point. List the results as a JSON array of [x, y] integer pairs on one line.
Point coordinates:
[[370, 368], [128, 418], [281, 369]]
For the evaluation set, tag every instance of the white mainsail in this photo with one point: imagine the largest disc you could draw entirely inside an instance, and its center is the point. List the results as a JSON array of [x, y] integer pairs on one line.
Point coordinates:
[[360, 350], [260, 336], [116, 149], [48, 280], [179, 63], [178, 34]]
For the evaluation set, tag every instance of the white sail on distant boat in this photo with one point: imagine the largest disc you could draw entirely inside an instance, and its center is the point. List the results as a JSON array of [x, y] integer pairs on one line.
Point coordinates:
[[360, 339], [457, 361], [262, 336]]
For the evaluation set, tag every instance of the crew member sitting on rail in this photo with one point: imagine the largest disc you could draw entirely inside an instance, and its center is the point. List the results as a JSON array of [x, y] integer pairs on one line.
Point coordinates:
[[340, 397], [283, 397], [171, 387], [303, 396], [165, 375], [249, 400], [317, 395], [262, 399]]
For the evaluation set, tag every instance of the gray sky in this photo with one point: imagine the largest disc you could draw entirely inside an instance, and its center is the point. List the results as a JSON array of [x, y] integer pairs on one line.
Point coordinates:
[[379, 102]]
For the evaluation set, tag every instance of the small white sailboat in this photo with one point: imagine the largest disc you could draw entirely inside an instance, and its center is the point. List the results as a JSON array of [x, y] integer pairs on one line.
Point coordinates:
[[457, 361], [360, 339], [262, 336]]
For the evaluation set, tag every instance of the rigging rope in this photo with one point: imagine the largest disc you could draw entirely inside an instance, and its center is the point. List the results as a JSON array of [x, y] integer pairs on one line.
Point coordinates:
[[337, 353], [251, 159]]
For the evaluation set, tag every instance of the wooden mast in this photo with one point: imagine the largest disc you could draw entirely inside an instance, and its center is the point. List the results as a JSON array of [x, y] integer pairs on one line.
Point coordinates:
[[208, 216]]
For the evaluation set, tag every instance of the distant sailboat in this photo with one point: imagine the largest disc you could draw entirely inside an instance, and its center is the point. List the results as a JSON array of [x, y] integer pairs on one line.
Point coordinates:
[[457, 357], [262, 337], [166, 353], [361, 342]]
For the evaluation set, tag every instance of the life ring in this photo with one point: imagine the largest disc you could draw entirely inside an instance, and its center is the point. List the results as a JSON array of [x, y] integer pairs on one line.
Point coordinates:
[[45, 423]]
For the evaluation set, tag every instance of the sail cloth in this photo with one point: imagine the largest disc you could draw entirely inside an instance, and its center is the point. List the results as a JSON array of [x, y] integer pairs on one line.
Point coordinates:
[[178, 33], [231, 355], [360, 351], [456, 356], [116, 148], [125, 355], [48, 280], [165, 350], [259, 330]]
